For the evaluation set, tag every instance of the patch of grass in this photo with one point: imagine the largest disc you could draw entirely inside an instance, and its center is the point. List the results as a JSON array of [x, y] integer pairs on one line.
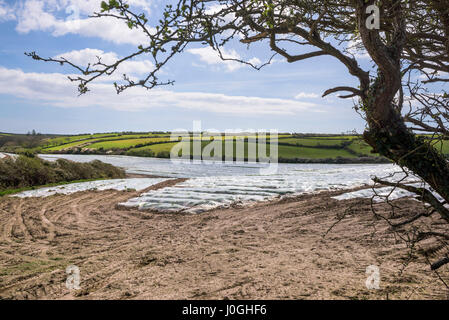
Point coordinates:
[[26, 268]]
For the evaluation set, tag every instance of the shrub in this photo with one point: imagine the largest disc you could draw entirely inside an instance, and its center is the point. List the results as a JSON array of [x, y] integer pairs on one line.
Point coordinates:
[[141, 153], [28, 171], [163, 154]]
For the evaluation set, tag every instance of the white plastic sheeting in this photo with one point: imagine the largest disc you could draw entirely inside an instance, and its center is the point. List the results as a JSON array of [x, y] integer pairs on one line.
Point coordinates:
[[385, 193], [213, 185], [114, 184], [379, 195], [205, 193]]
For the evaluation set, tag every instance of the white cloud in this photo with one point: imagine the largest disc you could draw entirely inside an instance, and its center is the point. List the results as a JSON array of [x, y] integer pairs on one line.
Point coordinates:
[[6, 12], [56, 90], [212, 57], [306, 95], [62, 17]]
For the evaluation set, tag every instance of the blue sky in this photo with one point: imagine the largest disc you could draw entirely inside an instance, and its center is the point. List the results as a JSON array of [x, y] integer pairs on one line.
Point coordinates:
[[223, 95]]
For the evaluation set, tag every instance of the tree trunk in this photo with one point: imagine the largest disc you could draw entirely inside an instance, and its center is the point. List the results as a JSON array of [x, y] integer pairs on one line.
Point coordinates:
[[387, 132], [391, 138]]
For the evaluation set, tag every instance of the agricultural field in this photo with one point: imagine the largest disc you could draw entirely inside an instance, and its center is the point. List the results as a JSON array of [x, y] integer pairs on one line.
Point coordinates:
[[65, 146], [125, 143], [292, 147], [60, 141], [290, 152], [313, 142]]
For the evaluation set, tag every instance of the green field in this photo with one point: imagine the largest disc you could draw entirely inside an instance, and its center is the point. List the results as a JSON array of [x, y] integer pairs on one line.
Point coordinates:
[[313, 142], [158, 147], [65, 146], [284, 151], [66, 140], [312, 153], [157, 144], [125, 143]]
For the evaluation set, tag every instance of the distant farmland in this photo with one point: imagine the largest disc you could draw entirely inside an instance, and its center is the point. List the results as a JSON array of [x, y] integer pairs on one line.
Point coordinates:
[[292, 148]]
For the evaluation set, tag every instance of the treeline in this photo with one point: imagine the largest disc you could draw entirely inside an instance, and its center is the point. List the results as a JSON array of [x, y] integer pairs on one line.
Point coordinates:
[[29, 170]]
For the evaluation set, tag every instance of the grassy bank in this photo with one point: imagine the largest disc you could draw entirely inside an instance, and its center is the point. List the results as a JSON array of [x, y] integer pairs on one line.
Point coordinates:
[[28, 171]]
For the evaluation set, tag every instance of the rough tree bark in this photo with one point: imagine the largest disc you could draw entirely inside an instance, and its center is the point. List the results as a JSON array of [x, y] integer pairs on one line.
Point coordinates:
[[388, 133]]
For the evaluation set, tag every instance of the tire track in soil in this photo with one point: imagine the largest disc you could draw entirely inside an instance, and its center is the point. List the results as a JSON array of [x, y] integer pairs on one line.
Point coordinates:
[[49, 225], [20, 219], [15, 220], [79, 206], [75, 198], [6, 234]]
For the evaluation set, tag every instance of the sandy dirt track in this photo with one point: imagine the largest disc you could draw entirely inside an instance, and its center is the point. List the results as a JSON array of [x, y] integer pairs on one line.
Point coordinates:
[[267, 251]]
